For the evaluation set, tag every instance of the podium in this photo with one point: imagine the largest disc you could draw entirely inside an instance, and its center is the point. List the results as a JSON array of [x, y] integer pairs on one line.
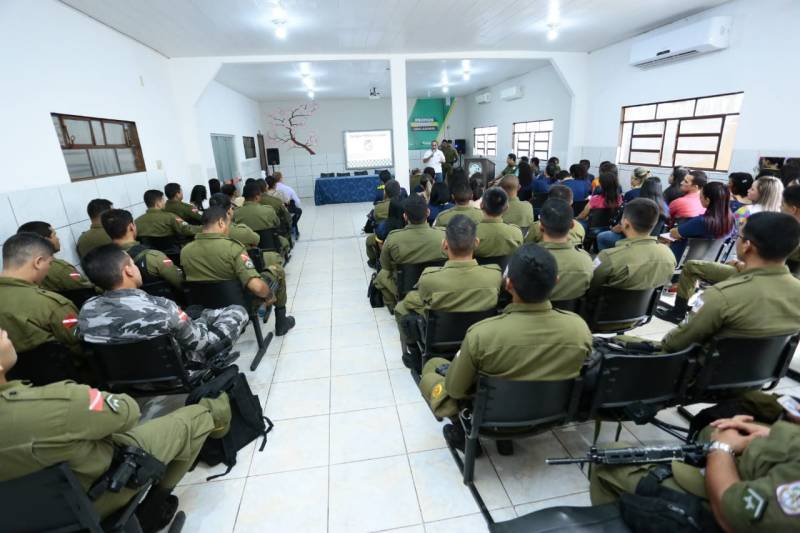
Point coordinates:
[[480, 165]]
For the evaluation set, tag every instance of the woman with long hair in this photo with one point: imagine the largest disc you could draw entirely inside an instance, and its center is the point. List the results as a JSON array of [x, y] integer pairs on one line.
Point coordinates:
[[765, 194], [439, 200], [476, 184], [214, 186], [739, 184], [650, 189], [393, 222], [607, 196], [525, 176], [198, 196], [717, 222]]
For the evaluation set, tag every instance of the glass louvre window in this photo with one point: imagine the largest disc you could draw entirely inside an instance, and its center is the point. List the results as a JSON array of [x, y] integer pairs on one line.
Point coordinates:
[[695, 132], [532, 139], [95, 147], [485, 141]]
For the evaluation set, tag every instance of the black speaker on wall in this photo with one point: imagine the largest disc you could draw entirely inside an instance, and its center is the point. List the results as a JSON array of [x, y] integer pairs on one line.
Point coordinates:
[[273, 156], [461, 146]]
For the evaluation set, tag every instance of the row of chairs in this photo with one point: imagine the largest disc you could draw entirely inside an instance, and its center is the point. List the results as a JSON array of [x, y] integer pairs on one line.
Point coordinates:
[[345, 174]]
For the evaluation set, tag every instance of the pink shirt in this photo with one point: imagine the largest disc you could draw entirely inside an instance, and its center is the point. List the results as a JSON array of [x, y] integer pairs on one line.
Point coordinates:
[[686, 206], [598, 201]]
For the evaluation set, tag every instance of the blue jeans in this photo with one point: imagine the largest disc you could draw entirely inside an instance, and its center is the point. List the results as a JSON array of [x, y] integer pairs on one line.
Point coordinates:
[[437, 177], [608, 239]]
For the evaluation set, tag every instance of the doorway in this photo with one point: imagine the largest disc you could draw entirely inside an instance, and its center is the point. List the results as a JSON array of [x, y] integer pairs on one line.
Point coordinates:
[[224, 156]]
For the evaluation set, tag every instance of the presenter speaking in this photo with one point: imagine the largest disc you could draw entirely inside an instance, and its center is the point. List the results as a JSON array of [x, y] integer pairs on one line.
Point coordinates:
[[434, 158]]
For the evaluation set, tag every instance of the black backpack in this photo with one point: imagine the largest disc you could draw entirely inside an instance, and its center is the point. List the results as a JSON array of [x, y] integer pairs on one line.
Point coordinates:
[[137, 253], [374, 293], [247, 418]]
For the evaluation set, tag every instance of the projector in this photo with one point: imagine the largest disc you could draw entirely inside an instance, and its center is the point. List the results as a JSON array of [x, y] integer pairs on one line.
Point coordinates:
[[374, 94]]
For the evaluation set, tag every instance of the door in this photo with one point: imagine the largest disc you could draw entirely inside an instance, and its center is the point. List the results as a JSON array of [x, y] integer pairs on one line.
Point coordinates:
[[262, 153], [224, 156]]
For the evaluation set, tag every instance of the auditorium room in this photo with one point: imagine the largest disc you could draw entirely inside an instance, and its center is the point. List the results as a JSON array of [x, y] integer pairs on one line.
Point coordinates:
[[403, 266]]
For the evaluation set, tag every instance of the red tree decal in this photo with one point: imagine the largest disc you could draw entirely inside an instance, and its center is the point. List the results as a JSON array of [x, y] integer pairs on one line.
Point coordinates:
[[286, 122]]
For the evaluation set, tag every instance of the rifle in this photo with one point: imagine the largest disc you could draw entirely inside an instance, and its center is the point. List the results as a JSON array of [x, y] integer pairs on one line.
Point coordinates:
[[693, 454]]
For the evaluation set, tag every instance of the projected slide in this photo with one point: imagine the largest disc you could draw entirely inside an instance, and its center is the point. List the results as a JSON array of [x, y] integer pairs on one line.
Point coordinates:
[[368, 149]]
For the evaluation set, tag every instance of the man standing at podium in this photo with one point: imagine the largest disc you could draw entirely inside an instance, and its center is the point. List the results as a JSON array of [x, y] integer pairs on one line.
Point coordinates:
[[434, 158]]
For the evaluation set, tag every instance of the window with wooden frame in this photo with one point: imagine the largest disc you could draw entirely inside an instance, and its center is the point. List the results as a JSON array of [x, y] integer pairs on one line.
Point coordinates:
[[485, 141], [96, 147], [249, 147], [696, 132], [532, 139]]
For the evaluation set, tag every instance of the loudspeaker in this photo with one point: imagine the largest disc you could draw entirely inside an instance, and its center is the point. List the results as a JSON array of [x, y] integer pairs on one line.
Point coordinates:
[[461, 146], [273, 156]]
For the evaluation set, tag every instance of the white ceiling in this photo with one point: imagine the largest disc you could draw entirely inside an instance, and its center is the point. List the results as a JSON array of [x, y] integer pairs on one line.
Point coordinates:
[[353, 79], [179, 28]]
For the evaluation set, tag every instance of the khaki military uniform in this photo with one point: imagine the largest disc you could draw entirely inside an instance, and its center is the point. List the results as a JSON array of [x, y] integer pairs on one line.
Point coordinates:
[[217, 257], [381, 211], [473, 213], [250, 239], [187, 212], [62, 276], [529, 341], [158, 264], [92, 238], [33, 316], [766, 498], [574, 270], [510, 169], [519, 213], [260, 217], [695, 270], [160, 223], [68, 422], [497, 239], [450, 158], [416, 243], [634, 264], [575, 236], [280, 209]]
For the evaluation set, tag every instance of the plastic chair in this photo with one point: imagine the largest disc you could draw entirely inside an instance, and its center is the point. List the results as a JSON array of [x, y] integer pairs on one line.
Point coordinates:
[[702, 249], [407, 275], [537, 202], [360, 173], [445, 331], [45, 364], [615, 310], [596, 519], [342, 174], [170, 246], [326, 175], [268, 240], [574, 305], [79, 296], [598, 220], [218, 294], [578, 206], [499, 260], [154, 363]]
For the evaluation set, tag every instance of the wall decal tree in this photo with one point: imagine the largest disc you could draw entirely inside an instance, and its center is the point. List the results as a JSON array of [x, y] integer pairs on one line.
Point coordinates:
[[285, 124]]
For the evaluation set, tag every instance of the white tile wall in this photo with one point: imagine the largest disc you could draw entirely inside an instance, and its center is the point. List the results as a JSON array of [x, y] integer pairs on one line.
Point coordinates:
[[75, 196]]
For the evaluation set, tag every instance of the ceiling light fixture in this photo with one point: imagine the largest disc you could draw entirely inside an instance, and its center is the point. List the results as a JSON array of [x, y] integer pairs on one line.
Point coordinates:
[[552, 32], [280, 31], [308, 82], [466, 75], [445, 89], [279, 19], [305, 68], [311, 94]]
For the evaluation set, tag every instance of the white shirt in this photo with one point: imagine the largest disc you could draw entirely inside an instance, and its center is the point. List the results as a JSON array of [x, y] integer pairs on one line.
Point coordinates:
[[289, 192], [435, 161]]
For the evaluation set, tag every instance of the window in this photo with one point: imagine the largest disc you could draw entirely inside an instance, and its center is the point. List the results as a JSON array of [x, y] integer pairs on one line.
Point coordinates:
[[485, 141], [696, 133], [249, 147], [532, 139], [96, 147]]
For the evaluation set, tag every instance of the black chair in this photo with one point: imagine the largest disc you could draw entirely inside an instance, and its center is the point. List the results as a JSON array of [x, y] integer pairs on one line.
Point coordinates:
[[141, 367], [268, 240], [598, 220], [702, 249], [163, 289], [407, 275], [444, 332], [499, 260], [537, 201], [596, 519], [217, 294], [573, 305], [660, 226], [360, 173], [578, 206], [614, 310], [170, 246], [45, 364], [507, 409], [342, 174], [326, 175], [79, 296], [52, 499]]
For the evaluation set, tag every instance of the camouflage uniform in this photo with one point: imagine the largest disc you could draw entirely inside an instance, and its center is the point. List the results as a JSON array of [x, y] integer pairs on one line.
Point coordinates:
[[127, 315]]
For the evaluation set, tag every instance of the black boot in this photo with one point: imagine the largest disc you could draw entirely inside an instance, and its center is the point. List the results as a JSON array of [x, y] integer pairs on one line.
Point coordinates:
[[157, 510], [283, 323], [455, 437], [675, 314], [505, 446]]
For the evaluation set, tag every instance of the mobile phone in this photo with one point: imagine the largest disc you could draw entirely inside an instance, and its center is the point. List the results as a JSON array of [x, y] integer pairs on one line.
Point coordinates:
[[791, 405]]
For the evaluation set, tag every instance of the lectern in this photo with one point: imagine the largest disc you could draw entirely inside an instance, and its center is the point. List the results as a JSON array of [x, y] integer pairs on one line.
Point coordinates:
[[481, 165]]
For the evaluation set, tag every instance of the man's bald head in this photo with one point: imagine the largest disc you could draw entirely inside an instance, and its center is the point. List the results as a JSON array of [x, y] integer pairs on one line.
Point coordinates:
[[510, 184]]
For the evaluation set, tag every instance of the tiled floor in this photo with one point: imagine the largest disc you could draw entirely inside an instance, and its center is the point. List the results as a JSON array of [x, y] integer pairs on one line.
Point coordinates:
[[354, 448]]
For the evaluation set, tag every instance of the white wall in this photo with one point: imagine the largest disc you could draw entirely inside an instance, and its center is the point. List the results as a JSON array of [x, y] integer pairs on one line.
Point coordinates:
[[761, 61], [545, 97]]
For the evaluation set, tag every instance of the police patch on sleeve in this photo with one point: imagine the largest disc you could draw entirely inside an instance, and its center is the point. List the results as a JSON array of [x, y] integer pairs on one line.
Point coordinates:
[[247, 261], [754, 504], [437, 391], [789, 498], [698, 304], [596, 263]]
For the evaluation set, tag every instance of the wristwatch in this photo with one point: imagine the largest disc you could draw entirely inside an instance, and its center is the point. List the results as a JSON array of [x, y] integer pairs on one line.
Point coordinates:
[[717, 445]]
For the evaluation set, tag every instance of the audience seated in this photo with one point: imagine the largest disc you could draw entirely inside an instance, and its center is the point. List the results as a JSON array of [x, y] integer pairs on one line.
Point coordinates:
[[739, 184], [511, 165], [637, 179], [578, 182], [764, 195], [525, 175], [529, 341], [293, 205], [715, 223], [393, 222], [269, 197], [197, 197], [495, 237], [608, 198], [232, 193], [258, 216], [177, 206], [124, 313], [651, 189], [575, 266], [95, 236], [476, 184], [62, 275], [156, 222], [119, 225], [518, 213], [576, 232], [85, 427], [380, 213], [439, 200], [689, 204], [675, 180], [462, 195]]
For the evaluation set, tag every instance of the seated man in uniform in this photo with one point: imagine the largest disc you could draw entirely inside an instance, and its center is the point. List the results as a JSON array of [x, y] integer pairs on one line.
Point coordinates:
[[575, 266], [230, 190], [95, 236], [62, 276], [462, 196], [177, 206], [215, 256], [156, 222], [576, 232], [125, 313], [119, 225], [751, 480], [415, 243], [276, 203], [461, 285], [32, 315], [380, 213], [260, 217], [82, 426], [239, 232], [497, 238], [518, 213], [529, 341]]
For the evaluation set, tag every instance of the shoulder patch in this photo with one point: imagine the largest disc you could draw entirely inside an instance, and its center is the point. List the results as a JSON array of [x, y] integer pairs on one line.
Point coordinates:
[[75, 275], [70, 321], [596, 262], [95, 400], [167, 261], [754, 504], [789, 498]]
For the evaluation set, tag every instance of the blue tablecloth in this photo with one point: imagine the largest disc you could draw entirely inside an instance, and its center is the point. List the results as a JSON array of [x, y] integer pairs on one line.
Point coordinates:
[[345, 189]]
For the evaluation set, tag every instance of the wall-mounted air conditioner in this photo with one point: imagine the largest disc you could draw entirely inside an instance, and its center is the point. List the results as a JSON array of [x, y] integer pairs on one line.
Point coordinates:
[[483, 98], [682, 42], [511, 93]]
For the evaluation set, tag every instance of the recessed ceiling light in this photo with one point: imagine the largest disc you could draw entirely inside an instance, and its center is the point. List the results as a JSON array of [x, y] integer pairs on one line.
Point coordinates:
[[465, 65], [279, 14], [305, 68], [280, 31], [552, 32], [445, 89], [308, 82], [311, 94]]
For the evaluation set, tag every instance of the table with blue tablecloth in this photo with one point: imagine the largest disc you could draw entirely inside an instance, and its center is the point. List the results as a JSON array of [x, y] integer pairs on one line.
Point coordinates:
[[345, 189]]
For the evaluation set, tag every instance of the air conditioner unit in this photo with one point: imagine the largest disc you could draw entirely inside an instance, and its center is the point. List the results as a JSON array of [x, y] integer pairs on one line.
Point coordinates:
[[483, 98], [511, 93], [682, 42]]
